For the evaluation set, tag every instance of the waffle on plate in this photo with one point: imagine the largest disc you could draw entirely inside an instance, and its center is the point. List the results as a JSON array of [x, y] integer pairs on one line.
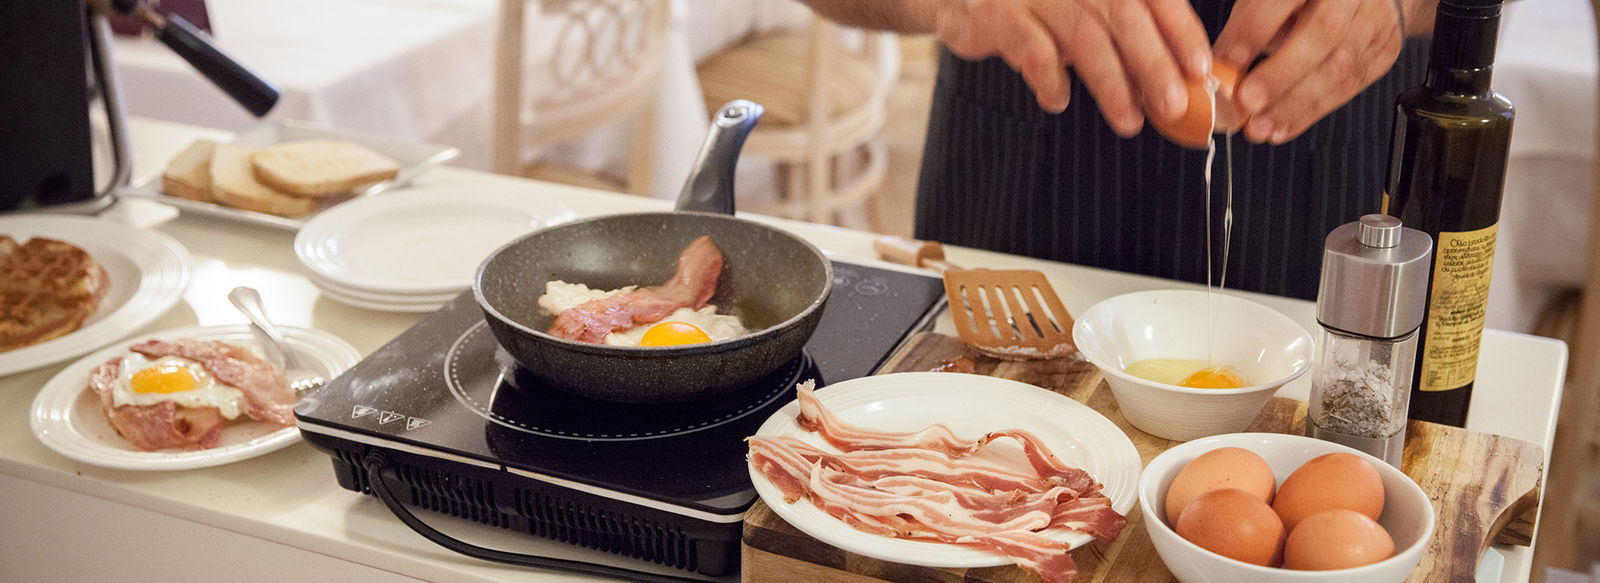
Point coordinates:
[[47, 289]]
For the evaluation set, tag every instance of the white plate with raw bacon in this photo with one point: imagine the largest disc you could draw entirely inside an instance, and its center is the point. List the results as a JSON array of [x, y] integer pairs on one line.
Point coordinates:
[[180, 399], [947, 470]]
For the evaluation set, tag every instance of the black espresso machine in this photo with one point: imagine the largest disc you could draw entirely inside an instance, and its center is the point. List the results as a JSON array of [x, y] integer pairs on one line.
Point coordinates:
[[58, 73]]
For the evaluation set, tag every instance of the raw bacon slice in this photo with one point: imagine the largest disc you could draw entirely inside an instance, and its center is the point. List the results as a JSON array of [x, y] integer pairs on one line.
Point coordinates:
[[1046, 463], [1034, 552], [925, 463], [847, 437], [931, 485], [267, 396], [691, 287], [155, 427], [940, 513], [1089, 514]]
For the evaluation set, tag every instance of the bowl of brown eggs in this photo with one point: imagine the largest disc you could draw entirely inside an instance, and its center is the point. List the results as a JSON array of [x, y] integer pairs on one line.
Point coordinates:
[[1273, 508], [1188, 363]]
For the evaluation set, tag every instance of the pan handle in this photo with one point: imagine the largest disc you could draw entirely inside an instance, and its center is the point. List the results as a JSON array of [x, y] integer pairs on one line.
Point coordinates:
[[710, 184], [928, 254]]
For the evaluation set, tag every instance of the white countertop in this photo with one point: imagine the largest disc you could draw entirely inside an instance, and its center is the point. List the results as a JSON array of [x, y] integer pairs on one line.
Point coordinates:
[[282, 516]]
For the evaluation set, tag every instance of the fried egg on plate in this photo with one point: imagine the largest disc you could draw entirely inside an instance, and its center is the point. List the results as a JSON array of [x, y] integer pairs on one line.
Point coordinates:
[[184, 382]]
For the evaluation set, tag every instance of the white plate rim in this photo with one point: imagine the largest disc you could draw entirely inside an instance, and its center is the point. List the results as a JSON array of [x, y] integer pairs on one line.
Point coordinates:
[[311, 244], [382, 306], [149, 187], [987, 391], [380, 297], [165, 268], [51, 414]]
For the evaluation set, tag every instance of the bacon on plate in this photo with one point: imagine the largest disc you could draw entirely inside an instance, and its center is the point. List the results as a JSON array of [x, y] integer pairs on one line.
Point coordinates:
[[932, 485], [267, 396], [155, 427]]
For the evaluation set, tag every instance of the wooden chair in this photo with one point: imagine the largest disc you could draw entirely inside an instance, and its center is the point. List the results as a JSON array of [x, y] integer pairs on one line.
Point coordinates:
[[1577, 444], [1586, 349], [605, 66], [825, 108]]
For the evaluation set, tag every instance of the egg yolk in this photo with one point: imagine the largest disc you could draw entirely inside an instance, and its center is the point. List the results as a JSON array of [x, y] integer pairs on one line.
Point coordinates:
[[164, 379], [673, 334], [1218, 377]]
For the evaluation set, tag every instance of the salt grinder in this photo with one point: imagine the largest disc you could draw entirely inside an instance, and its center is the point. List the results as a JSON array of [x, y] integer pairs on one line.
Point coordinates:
[[1370, 304]]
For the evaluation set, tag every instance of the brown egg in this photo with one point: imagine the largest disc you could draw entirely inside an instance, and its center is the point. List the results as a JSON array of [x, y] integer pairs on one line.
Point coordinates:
[[1336, 539], [1224, 467], [1194, 128], [1335, 480], [1235, 524]]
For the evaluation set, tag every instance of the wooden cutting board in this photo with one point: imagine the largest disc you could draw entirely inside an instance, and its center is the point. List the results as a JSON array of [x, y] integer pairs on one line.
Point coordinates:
[[1485, 488]]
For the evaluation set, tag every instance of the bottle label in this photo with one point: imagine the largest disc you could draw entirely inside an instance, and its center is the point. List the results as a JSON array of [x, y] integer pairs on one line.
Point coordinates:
[[1456, 308]]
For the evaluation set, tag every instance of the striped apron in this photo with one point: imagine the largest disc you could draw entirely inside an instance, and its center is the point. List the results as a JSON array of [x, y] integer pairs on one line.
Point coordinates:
[[999, 173]]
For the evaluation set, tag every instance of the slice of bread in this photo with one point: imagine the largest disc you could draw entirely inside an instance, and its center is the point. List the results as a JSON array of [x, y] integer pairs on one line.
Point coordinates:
[[233, 183], [321, 167], [47, 289], [188, 174]]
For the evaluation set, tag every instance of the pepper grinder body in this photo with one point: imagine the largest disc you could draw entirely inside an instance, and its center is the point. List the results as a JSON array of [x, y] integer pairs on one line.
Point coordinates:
[[1370, 304], [1361, 392]]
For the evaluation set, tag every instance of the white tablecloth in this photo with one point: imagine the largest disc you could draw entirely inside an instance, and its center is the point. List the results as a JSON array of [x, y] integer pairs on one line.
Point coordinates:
[[420, 70], [407, 68], [1549, 67]]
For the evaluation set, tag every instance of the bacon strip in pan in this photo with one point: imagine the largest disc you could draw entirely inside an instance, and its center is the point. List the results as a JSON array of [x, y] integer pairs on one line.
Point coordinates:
[[692, 286]]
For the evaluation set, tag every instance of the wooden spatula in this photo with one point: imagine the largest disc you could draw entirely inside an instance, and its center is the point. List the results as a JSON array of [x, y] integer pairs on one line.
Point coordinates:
[[1010, 314]]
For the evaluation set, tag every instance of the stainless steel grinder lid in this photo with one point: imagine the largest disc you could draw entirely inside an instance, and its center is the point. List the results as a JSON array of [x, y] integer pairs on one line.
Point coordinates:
[[1374, 277]]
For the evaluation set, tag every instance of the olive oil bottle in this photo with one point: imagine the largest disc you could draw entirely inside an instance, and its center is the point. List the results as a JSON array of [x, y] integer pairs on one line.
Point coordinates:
[[1446, 175]]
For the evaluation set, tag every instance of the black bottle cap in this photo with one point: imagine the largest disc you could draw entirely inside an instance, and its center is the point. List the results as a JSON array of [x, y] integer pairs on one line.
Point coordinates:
[[1471, 8]]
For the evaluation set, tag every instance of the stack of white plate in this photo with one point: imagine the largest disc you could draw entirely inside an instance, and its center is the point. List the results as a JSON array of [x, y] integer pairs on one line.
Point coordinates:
[[413, 251]]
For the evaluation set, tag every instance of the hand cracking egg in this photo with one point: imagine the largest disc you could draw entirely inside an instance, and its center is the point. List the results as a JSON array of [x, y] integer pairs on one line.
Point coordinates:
[[181, 381], [1211, 110]]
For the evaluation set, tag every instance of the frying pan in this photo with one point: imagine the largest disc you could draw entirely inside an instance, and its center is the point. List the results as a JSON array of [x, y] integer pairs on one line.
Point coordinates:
[[774, 281]]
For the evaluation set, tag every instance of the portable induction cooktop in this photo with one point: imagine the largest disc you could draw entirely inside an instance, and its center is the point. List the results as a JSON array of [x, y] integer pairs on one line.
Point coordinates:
[[462, 430]]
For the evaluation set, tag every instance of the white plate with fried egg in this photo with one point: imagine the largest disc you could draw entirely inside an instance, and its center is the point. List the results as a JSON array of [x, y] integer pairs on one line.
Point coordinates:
[[66, 416]]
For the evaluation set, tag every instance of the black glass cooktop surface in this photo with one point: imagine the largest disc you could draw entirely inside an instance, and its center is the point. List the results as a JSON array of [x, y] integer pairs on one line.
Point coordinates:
[[445, 387]]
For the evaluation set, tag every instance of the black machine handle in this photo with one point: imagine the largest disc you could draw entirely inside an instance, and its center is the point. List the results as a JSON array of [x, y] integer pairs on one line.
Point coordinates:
[[709, 187], [378, 473], [194, 45], [244, 86]]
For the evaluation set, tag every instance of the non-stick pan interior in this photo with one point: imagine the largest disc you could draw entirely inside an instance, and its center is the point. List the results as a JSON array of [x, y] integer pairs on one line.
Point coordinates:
[[768, 276]]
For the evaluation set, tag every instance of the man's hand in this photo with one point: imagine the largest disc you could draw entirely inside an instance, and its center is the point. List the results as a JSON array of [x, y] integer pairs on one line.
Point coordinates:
[[1321, 53], [1127, 52]]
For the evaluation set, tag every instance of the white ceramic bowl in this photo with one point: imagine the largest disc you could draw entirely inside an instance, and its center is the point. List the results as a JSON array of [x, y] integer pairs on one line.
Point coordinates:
[[1264, 345], [1407, 514]]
